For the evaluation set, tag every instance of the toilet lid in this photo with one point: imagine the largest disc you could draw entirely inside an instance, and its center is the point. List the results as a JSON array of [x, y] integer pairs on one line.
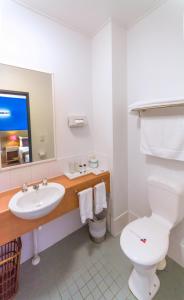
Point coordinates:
[[145, 241]]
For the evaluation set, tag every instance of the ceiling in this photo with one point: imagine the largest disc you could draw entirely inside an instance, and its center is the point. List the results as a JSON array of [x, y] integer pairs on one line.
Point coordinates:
[[88, 16]]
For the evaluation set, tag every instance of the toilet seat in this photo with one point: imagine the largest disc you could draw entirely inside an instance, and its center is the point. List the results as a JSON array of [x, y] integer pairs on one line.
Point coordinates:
[[145, 241]]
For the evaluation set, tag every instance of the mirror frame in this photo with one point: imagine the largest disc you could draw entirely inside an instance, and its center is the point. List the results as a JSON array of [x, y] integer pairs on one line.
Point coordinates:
[[54, 124]]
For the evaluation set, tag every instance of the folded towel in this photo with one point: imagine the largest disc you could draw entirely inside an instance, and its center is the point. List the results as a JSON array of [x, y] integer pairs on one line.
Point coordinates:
[[162, 133], [86, 204], [100, 197]]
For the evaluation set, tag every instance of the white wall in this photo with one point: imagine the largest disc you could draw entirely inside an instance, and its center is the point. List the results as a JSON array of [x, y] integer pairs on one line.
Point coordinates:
[[102, 92], [35, 42], [120, 165], [38, 43], [155, 70], [109, 114]]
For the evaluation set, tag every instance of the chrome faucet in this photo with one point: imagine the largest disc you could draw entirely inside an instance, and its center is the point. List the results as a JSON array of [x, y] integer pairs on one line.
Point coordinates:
[[44, 181], [36, 187], [24, 188]]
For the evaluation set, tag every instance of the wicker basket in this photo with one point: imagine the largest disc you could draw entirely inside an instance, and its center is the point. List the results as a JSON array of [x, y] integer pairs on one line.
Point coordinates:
[[9, 268]]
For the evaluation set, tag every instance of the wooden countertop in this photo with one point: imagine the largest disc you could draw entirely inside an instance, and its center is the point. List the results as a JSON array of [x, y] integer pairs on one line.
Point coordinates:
[[11, 227]]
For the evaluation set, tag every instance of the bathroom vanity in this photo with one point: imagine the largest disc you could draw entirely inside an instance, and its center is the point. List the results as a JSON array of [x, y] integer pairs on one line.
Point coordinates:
[[13, 227]]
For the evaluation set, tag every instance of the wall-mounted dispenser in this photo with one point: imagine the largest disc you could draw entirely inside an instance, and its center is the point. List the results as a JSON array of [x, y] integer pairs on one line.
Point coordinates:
[[77, 121]]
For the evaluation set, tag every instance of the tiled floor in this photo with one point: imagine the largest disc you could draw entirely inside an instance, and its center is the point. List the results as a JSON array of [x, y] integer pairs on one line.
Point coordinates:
[[76, 268]]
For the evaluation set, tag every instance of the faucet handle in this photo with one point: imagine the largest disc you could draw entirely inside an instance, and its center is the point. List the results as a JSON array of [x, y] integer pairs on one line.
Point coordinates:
[[44, 181], [24, 187]]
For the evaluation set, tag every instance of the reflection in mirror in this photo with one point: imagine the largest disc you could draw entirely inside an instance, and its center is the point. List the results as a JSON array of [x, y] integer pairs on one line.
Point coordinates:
[[15, 129], [26, 116]]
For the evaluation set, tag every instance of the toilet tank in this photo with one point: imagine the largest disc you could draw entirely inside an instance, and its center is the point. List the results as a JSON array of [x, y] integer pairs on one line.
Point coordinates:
[[166, 198]]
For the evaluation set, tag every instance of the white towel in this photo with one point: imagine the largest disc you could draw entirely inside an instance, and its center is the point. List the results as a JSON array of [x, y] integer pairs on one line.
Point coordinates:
[[86, 204], [162, 133], [100, 197]]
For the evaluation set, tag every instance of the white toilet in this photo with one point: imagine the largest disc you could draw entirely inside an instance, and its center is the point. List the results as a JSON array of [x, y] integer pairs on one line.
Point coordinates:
[[146, 240]]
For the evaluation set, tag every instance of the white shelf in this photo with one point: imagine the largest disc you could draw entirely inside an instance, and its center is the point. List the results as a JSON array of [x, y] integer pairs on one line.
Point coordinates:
[[95, 171], [161, 103]]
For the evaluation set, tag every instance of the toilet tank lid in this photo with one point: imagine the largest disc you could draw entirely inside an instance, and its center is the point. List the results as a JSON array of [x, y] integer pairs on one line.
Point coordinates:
[[173, 185]]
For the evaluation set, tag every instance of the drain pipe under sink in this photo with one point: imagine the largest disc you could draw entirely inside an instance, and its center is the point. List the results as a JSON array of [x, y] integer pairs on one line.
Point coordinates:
[[36, 257]]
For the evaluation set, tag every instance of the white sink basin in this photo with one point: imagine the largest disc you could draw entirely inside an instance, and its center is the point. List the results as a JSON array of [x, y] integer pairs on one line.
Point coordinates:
[[35, 204]]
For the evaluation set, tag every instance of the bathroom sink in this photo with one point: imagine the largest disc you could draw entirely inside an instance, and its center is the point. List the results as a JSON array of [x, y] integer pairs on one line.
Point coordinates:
[[34, 204]]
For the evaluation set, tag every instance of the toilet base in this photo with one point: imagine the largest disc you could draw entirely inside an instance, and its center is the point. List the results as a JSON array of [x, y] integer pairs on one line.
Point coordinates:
[[144, 284], [162, 265]]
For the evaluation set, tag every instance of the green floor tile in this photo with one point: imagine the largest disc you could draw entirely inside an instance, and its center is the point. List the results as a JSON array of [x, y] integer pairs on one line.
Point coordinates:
[[77, 269]]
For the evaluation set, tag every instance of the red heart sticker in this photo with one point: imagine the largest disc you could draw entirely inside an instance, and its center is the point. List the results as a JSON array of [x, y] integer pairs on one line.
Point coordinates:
[[143, 240]]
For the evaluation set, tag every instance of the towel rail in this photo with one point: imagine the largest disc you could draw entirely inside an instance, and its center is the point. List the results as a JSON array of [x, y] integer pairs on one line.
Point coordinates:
[[141, 106], [142, 109], [77, 191], [93, 187]]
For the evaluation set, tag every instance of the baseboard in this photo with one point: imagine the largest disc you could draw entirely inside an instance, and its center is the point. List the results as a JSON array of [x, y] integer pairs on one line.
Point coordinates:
[[119, 223], [132, 216]]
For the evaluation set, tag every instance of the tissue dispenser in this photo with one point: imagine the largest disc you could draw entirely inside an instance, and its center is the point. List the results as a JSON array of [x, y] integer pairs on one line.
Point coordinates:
[[77, 121]]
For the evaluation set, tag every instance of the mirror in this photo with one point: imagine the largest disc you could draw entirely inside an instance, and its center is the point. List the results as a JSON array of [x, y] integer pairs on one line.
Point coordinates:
[[26, 116]]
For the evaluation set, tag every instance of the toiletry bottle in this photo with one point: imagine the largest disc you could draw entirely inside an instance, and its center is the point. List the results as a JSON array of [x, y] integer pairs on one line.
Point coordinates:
[[80, 169], [93, 162], [84, 168], [71, 167], [76, 166]]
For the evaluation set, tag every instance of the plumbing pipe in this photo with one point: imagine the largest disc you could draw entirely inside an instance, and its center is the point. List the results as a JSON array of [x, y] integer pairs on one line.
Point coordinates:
[[36, 257]]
